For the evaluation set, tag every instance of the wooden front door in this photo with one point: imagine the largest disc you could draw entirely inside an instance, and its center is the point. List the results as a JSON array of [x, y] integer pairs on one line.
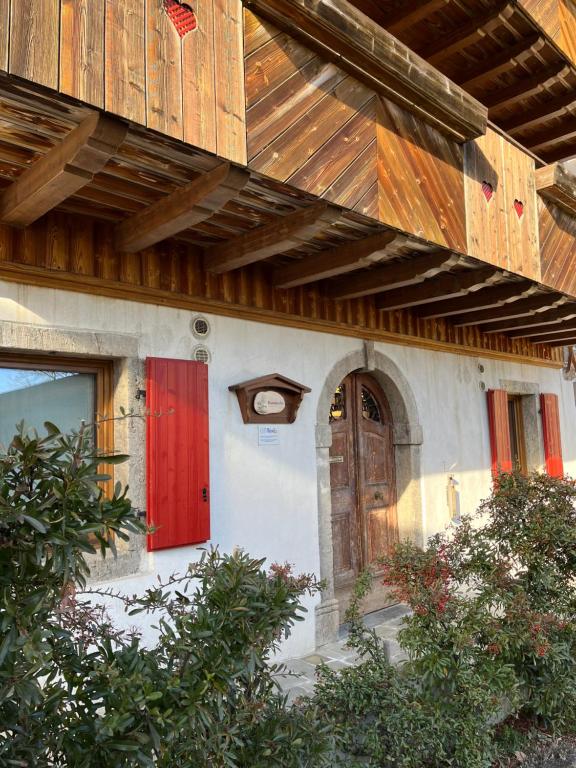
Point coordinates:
[[363, 481]]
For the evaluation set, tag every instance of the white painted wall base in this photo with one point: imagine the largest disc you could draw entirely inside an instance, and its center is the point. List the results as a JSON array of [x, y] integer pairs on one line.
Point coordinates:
[[265, 498]]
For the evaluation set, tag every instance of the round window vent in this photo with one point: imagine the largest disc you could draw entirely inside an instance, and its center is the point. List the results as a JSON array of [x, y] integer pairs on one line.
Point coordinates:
[[200, 327], [201, 354]]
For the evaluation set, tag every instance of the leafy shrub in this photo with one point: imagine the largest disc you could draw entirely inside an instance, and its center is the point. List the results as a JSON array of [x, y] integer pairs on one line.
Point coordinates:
[[76, 692], [492, 634]]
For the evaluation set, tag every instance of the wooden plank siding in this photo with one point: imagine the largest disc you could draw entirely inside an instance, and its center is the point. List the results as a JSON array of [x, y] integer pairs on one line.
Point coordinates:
[[421, 178], [558, 247], [497, 233], [76, 253], [128, 58], [308, 123]]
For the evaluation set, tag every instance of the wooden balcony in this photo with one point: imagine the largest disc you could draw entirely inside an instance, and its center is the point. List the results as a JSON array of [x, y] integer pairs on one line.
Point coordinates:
[[323, 200]]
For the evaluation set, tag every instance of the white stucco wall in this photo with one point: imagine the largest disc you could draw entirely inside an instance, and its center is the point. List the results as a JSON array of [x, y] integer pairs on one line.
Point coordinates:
[[265, 498]]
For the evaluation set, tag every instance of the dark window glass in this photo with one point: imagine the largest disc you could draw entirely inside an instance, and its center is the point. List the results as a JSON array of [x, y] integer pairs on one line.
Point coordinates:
[[370, 409]]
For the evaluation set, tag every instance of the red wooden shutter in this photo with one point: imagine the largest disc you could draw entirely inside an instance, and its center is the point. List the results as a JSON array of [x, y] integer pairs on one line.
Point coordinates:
[[177, 473], [552, 439], [499, 431]]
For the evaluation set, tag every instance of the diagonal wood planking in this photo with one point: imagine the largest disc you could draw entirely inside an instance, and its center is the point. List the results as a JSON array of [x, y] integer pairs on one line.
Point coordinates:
[[308, 123], [421, 180]]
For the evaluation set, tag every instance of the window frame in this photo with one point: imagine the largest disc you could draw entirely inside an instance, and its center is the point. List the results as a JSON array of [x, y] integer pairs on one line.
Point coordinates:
[[102, 369], [517, 430]]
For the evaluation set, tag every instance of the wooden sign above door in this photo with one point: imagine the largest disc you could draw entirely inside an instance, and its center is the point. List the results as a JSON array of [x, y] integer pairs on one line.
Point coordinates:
[[272, 399]]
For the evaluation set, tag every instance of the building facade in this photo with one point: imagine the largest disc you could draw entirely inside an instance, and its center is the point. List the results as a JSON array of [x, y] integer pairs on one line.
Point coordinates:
[[322, 260]]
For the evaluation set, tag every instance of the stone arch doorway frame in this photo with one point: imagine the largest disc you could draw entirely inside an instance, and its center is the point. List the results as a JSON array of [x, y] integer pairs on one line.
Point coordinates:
[[407, 443]]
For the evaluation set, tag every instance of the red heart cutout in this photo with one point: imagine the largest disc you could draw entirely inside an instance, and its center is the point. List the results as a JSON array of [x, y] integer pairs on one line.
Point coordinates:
[[488, 190], [519, 208], [181, 15]]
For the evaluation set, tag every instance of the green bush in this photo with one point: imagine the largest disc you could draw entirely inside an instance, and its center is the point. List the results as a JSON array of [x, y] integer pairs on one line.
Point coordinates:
[[76, 692], [492, 635]]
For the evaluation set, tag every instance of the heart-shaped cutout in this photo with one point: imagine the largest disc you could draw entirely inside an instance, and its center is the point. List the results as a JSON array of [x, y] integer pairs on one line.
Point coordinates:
[[181, 15], [488, 190], [519, 208]]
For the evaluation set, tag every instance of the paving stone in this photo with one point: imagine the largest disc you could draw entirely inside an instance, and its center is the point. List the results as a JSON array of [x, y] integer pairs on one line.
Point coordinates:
[[315, 659]]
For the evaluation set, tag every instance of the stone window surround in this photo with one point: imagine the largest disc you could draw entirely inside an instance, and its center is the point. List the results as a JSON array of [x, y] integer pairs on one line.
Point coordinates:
[[408, 439], [129, 433]]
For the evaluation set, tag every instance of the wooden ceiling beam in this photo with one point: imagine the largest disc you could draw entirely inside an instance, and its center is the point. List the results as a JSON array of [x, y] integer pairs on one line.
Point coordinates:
[[560, 153], [411, 12], [472, 302], [556, 107], [465, 35], [182, 209], [283, 234], [437, 288], [560, 338], [526, 87], [509, 310], [500, 63], [341, 33], [391, 276], [551, 136], [517, 325], [566, 325], [63, 170], [336, 261]]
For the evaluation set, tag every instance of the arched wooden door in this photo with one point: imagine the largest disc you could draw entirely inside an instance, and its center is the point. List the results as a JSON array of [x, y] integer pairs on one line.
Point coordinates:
[[363, 481]]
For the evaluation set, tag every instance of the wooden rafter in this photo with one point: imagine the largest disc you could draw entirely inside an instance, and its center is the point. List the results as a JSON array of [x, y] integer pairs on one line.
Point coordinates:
[[560, 153], [555, 183], [500, 63], [559, 338], [472, 302], [544, 318], [556, 107], [392, 276], [551, 136], [282, 235], [341, 33], [411, 12], [182, 209], [336, 261], [63, 170], [466, 34], [566, 325], [526, 87], [518, 308], [434, 289]]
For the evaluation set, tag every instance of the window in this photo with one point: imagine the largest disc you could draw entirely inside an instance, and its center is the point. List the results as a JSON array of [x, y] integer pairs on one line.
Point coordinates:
[[517, 440], [65, 391]]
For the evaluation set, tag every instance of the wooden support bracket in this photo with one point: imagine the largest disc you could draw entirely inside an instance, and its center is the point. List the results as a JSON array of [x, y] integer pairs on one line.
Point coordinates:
[[479, 300], [435, 289], [63, 170], [336, 261], [511, 309], [555, 183], [281, 235], [182, 209], [392, 276]]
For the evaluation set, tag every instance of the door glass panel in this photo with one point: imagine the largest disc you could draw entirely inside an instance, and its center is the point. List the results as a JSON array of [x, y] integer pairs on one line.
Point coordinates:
[[65, 398], [338, 407], [370, 409]]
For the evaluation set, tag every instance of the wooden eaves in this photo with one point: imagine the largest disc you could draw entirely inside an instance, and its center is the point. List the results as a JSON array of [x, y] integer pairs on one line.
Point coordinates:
[[342, 33]]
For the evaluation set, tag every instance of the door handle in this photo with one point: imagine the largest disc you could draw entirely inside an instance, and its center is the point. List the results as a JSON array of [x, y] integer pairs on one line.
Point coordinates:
[[205, 495]]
